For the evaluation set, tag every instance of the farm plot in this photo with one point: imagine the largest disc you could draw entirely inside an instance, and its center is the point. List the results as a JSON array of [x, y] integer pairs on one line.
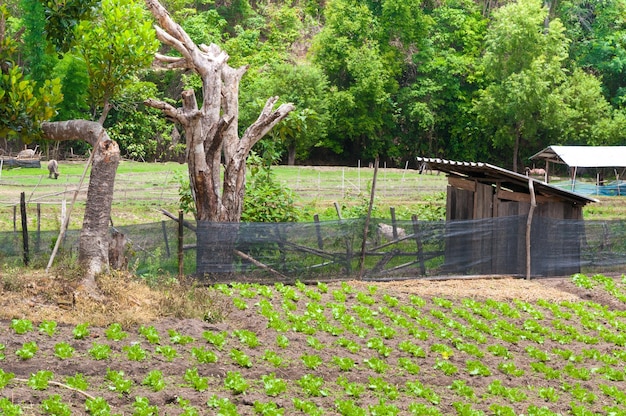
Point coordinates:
[[348, 348]]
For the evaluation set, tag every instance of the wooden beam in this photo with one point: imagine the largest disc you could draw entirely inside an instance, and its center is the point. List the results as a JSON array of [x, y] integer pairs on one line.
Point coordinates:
[[462, 183], [521, 197]]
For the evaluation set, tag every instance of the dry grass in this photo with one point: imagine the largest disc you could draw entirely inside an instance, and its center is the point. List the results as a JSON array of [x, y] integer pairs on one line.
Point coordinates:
[[38, 296]]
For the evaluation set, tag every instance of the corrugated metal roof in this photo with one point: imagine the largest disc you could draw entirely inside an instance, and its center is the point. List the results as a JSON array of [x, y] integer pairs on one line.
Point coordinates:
[[584, 156], [507, 179]]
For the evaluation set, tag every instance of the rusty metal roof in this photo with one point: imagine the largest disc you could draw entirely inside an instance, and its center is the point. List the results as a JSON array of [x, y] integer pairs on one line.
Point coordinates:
[[487, 173]]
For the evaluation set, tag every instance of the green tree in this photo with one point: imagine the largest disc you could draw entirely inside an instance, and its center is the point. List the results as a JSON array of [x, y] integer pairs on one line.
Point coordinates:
[[362, 78], [306, 87], [598, 31], [38, 60], [439, 82], [524, 59], [23, 104], [113, 47]]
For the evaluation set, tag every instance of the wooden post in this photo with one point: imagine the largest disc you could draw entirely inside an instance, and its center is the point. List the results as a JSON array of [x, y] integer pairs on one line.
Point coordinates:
[[529, 223], [318, 231], [167, 245], [180, 245], [420, 247], [367, 219], [14, 218], [338, 209], [38, 239], [394, 223], [24, 228]]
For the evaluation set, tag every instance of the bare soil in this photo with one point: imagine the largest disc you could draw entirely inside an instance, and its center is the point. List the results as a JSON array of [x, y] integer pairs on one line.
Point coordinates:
[[134, 305]]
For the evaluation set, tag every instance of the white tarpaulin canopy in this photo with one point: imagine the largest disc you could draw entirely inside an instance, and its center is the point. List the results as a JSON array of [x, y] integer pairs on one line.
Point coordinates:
[[584, 156]]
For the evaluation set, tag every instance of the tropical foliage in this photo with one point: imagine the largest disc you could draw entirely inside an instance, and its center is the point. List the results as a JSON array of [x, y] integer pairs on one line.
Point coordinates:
[[489, 81]]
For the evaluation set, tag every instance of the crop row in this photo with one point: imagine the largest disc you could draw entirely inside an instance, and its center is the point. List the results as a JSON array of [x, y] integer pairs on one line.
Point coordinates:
[[345, 348]]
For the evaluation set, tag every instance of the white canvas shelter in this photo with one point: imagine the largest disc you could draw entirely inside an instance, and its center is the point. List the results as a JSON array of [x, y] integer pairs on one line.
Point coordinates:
[[598, 157], [584, 156]]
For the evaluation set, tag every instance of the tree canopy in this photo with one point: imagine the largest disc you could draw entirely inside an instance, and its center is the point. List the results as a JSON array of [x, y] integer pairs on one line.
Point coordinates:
[[459, 79]]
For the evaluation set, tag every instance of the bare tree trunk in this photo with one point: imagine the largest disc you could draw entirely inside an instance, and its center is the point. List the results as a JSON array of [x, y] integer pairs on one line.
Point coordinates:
[[291, 154], [94, 239]]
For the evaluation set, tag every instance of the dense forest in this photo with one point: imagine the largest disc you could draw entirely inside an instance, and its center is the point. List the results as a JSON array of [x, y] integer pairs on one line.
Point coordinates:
[[471, 80]]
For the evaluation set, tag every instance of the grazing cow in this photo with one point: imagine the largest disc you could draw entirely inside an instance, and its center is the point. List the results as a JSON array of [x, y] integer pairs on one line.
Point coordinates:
[[535, 171], [386, 231], [53, 169]]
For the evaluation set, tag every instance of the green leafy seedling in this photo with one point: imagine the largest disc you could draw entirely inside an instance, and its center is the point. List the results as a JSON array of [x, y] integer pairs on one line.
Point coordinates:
[[235, 382], [143, 407], [311, 361], [81, 331], [48, 327], [166, 351], [151, 334], [28, 350], [54, 405], [63, 350], [203, 355], [273, 385], [40, 379], [217, 339], [196, 381], [117, 382], [312, 385], [135, 352], [240, 358], [177, 338], [7, 408], [268, 408], [5, 378], [77, 381], [21, 326], [224, 406], [115, 332], [154, 380], [100, 351], [97, 406]]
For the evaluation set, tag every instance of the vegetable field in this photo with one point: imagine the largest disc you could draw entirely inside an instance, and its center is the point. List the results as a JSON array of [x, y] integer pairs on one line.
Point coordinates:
[[346, 348]]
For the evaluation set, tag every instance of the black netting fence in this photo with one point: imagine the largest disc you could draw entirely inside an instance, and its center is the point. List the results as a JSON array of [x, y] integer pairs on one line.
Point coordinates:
[[336, 249]]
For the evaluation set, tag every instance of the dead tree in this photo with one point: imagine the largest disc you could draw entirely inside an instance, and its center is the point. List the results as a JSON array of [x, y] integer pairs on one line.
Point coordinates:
[[211, 133]]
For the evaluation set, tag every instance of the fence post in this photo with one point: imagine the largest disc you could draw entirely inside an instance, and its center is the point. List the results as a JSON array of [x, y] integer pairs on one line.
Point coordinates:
[[318, 231], [180, 245], [367, 220], [394, 223], [24, 228], [38, 238], [420, 248], [167, 244]]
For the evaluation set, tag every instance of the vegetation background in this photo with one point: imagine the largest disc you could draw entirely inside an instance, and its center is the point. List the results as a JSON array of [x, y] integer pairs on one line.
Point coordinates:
[[469, 80]]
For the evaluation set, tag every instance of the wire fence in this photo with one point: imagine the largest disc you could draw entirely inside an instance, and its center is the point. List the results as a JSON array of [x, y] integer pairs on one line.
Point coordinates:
[[348, 249]]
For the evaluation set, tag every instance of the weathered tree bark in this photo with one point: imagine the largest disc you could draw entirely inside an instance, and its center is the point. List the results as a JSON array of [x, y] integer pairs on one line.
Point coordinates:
[[212, 130], [94, 239]]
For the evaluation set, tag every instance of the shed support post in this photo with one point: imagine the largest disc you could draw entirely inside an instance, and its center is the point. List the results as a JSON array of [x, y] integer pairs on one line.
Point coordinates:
[[529, 223]]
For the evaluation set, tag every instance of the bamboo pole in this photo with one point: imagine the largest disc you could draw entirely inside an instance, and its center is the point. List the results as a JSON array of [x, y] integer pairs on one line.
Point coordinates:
[[367, 219], [529, 223]]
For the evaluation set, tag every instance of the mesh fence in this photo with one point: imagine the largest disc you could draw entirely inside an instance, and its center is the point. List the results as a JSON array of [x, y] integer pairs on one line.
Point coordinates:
[[335, 249]]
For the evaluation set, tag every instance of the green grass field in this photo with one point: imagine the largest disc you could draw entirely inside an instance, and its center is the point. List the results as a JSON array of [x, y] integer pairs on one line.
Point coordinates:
[[143, 189]]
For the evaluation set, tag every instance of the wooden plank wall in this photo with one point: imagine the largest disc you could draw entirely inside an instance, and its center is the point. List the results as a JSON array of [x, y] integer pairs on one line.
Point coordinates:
[[553, 251]]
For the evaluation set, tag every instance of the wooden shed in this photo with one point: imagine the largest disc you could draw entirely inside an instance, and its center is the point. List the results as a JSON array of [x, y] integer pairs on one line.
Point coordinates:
[[502, 222]]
